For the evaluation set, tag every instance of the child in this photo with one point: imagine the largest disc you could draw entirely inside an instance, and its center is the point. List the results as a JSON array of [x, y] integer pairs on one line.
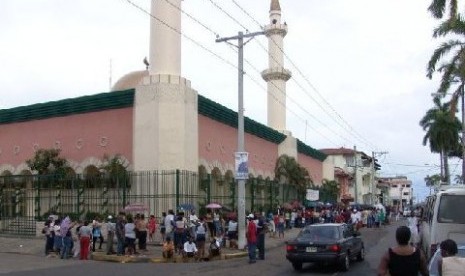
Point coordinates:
[[168, 248], [215, 248]]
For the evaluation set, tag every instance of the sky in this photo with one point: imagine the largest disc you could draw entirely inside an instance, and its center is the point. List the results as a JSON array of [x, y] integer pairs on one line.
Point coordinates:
[[359, 66]]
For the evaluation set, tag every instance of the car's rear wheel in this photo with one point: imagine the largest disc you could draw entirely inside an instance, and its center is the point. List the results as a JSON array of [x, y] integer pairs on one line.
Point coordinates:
[[361, 255], [297, 266], [345, 263]]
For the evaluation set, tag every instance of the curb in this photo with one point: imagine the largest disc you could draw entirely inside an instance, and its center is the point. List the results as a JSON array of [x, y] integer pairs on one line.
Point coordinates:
[[147, 259]]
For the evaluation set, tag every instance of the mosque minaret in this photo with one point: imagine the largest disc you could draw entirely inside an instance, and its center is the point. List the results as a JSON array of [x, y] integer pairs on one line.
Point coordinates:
[[165, 105], [276, 76], [165, 43]]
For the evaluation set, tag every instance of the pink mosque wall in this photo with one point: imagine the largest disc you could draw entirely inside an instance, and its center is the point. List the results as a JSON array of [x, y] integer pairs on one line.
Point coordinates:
[[218, 142], [79, 136], [110, 132], [314, 167]]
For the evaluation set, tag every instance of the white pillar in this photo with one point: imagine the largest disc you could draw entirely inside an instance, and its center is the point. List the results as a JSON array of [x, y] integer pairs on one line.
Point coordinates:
[[165, 106], [165, 43], [276, 76]]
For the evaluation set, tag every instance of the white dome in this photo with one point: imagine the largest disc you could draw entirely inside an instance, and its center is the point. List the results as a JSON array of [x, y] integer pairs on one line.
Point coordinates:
[[130, 80]]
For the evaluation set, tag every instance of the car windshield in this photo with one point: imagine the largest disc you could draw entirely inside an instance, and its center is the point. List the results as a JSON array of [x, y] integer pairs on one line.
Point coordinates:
[[319, 233], [451, 209]]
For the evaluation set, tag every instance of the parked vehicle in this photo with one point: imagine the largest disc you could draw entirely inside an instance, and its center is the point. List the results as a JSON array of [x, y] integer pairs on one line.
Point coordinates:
[[433, 264], [443, 218], [332, 243]]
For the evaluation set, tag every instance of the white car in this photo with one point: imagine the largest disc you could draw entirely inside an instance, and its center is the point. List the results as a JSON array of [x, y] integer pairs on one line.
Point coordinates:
[[433, 263]]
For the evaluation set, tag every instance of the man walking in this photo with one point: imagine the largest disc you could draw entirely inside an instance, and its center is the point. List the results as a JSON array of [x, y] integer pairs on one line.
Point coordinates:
[[251, 235], [261, 231]]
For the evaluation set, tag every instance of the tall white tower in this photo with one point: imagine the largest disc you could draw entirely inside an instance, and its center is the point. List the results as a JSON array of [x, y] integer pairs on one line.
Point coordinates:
[[276, 76], [165, 106]]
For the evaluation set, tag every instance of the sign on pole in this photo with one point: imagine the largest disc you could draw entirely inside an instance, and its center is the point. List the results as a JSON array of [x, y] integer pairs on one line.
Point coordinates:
[[242, 165], [312, 195]]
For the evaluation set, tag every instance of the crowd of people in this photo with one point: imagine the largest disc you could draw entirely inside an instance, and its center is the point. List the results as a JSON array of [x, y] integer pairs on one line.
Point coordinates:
[[187, 235], [371, 217], [179, 234]]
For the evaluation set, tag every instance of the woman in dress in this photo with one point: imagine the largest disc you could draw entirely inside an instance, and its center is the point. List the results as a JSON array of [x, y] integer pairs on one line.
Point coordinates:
[[403, 259]]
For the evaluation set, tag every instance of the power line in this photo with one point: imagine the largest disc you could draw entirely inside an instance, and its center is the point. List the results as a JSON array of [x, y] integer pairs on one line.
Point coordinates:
[[184, 35], [211, 52], [193, 19], [228, 15], [258, 71], [363, 139]]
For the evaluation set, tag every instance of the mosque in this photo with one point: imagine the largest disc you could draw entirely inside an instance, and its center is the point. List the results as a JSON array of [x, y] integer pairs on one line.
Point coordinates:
[[154, 120]]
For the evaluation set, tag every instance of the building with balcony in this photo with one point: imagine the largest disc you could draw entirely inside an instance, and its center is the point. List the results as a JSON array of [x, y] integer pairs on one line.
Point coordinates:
[[398, 191]]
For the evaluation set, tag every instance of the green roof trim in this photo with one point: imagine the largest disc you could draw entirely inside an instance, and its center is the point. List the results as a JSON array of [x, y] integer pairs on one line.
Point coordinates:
[[229, 117], [309, 151], [85, 104], [125, 98]]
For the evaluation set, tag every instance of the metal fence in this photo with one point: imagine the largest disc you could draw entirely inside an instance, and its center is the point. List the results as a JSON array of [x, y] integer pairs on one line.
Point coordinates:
[[25, 199]]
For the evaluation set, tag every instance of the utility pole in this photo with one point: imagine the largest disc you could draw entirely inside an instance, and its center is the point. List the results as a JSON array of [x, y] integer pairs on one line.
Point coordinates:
[[463, 134], [355, 175], [240, 130], [373, 172]]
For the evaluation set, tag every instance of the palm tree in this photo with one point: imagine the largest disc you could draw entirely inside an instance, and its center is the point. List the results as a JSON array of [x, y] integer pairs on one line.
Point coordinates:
[[330, 190], [288, 170], [441, 133], [114, 169], [432, 182], [438, 7], [453, 71]]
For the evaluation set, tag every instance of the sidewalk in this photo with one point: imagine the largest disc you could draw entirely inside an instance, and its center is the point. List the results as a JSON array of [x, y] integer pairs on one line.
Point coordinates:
[[36, 246]]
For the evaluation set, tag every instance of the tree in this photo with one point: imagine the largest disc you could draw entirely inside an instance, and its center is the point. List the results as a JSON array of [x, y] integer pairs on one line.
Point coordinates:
[[453, 71], [441, 133], [48, 161], [114, 169], [329, 190], [433, 181], [287, 169], [438, 7]]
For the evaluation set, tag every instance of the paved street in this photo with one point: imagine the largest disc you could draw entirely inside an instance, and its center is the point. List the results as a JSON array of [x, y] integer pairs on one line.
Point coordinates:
[[376, 241]]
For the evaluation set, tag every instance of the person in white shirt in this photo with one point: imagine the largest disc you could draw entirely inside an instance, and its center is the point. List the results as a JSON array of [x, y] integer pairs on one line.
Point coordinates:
[[169, 219], [232, 233], [413, 226], [355, 217], [450, 263], [190, 249], [193, 221]]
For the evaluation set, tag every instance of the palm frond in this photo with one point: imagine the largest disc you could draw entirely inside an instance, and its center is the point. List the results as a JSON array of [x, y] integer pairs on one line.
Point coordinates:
[[442, 50], [437, 8]]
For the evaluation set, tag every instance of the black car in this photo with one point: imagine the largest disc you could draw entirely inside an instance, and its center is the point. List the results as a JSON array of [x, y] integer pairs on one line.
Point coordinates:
[[332, 243]]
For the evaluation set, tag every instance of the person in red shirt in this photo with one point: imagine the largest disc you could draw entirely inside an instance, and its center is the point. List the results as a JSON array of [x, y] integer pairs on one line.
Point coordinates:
[[251, 235], [152, 225]]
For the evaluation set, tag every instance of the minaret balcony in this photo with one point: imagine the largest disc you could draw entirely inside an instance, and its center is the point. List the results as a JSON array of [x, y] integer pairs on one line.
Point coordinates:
[[276, 29], [277, 73]]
